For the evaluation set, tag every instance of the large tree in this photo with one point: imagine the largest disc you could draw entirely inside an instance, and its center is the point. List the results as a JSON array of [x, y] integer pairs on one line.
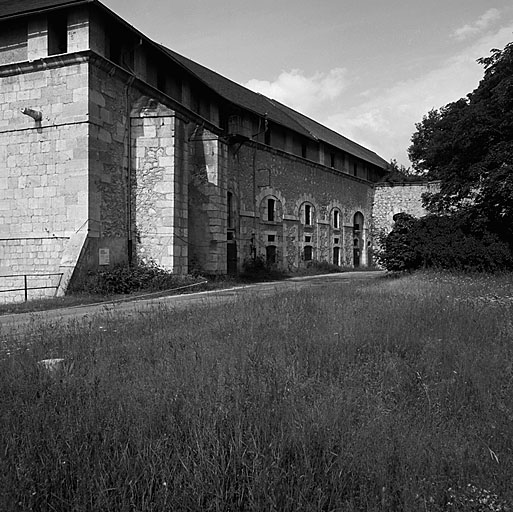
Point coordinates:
[[468, 146]]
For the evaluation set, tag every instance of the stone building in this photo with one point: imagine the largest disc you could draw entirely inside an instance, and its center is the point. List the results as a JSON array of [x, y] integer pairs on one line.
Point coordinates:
[[114, 149]]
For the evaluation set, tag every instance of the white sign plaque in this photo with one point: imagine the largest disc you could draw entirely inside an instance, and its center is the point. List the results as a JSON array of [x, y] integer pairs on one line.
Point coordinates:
[[104, 256]]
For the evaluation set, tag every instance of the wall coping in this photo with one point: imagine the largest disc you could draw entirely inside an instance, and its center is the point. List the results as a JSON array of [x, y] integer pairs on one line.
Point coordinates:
[[408, 184]]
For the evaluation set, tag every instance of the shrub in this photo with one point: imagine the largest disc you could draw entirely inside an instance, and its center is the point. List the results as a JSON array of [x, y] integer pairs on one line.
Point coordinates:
[[259, 269], [122, 279], [398, 250], [323, 267], [452, 242]]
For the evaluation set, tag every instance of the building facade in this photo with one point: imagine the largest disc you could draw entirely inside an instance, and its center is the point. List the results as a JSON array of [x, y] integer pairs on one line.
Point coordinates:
[[114, 149]]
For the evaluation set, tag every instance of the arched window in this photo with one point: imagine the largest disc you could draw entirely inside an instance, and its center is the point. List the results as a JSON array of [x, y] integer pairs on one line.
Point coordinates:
[[358, 222], [271, 205], [307, 213], [271, 209], [336, 219], [357, 238]]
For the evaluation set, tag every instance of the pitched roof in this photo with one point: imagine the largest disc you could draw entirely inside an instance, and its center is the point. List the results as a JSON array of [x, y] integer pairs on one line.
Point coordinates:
[[9, 8], [274, 110], [237, 94], [225, 88], [332, 137]]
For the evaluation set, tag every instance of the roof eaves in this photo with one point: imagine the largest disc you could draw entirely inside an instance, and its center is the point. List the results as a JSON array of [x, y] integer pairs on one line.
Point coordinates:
[[50, 7], [216, 82], [278, 105]]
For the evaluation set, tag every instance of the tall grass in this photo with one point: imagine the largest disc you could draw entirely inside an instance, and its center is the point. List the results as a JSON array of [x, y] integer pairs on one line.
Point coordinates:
[[393, 395]]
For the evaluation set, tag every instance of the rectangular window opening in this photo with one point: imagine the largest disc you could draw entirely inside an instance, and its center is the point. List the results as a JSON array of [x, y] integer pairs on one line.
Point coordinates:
[[332, 160], [162, 81], [229, 209], [267, 136], [57, 34], [271, 238]]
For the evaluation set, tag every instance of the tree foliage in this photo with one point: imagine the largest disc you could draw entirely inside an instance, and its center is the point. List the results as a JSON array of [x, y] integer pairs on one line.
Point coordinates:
[[468, 146], [454, 242], [400, 174]]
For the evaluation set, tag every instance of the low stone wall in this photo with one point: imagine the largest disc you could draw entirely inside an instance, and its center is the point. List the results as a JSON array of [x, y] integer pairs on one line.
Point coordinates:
[[32, 262], [393, 198]]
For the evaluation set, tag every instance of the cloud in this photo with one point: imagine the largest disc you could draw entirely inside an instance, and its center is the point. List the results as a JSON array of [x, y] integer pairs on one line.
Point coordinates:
[[479, 26], [382, 119], [305, 93], [386, 120]]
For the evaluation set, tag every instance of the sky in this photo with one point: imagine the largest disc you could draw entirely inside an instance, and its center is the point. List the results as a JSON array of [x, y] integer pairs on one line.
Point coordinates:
[[368, 69]]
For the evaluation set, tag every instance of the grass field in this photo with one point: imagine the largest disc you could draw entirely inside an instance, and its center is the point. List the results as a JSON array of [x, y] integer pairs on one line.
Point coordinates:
[[395, 394]]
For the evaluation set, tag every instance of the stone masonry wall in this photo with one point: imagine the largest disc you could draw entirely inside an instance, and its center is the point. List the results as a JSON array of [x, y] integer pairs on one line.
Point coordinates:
[[108, 167], [43, 178], [207, 201], [258, 173], [390, 199], [159, 190]]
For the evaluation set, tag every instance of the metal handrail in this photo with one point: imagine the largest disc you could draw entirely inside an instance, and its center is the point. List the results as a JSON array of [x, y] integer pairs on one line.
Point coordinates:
[[26, 288]]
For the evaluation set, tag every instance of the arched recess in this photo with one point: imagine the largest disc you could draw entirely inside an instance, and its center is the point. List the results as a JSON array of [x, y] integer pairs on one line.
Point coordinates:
[[307, 214], [358, 240], [271, 209]]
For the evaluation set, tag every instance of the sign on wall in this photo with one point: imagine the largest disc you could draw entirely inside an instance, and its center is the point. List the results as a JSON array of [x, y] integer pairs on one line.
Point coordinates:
[[104, 256]]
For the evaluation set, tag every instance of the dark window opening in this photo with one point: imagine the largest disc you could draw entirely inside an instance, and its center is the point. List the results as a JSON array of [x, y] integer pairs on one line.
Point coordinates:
[[162, 81], [303, 149], [115, 49], [336, 255], [336, 219], [195, 103], [355, 169], [356, 242], [336, 240], [271, 238], [57, 34], [308, 238], [358, 222], [119, 52], [229, 208], [308, 214], [308, 252], [332, 160], [270, 210], [270, 254], [267, 135]]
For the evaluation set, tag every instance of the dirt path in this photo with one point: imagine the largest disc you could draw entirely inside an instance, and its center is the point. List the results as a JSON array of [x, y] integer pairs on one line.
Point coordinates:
[[16, 322]]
